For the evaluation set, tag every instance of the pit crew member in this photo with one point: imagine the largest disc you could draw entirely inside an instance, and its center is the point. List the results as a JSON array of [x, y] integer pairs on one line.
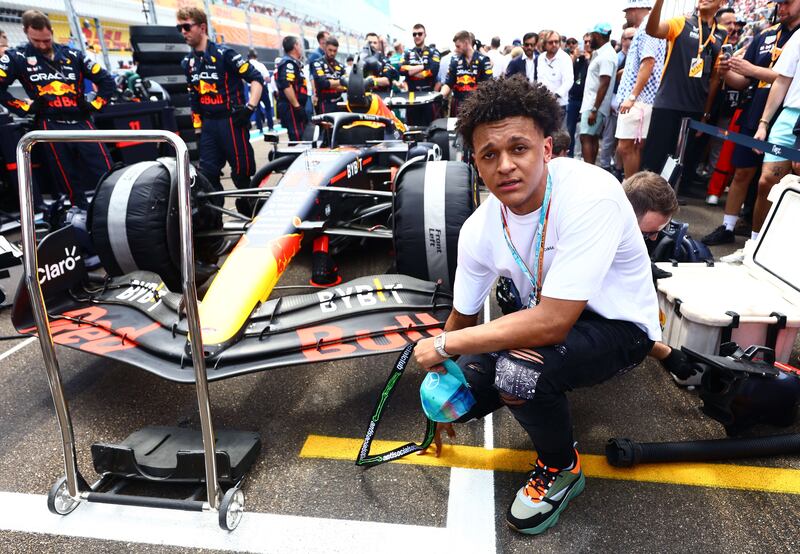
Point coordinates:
[[467, 69], [54, 77], [590, 307], [292, 89], [215, 73], [383, 79], [328, 75], [420, 67]]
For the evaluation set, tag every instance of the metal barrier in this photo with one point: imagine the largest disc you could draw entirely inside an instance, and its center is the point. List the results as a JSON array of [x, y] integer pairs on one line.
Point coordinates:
[[189, 294]]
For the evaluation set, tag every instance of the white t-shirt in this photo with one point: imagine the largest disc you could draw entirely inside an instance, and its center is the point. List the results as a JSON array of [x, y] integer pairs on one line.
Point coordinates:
[[498, 63], [787, 65], [557, 74], [604, 62], [594, 249]]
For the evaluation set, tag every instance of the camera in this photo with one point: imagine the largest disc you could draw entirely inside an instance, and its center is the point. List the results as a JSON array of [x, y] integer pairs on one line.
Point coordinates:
[[727, 51]]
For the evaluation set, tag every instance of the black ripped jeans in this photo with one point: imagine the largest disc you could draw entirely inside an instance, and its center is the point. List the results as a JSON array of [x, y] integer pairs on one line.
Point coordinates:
[[595, 350]]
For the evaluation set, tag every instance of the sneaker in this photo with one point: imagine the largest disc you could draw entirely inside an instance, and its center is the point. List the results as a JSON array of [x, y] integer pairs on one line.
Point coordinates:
[[735, 258], [544, 496], [720, 235], [712, 200], [659, 273]]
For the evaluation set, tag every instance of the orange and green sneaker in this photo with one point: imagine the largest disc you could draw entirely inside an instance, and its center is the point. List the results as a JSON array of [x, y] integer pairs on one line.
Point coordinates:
[[544, 496]]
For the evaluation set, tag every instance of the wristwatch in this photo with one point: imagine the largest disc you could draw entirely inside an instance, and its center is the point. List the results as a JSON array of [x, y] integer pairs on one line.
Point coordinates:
[[438, 345], [593, 110], [632, 98], [249, 107]]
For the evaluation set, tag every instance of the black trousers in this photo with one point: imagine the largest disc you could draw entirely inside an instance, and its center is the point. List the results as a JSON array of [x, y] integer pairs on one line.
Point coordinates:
[[222, 141], [289, 119], [662, 139], [76, 166], [596, 349]]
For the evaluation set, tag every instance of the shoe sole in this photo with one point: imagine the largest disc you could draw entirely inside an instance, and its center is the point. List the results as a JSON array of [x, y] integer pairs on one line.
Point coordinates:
[[553, 519]]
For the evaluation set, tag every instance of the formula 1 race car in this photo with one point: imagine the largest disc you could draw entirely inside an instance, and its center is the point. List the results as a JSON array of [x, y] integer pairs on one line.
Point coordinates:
[[350, 183]]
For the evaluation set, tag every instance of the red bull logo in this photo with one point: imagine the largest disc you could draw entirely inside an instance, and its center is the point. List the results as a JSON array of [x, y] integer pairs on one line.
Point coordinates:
[[19, 104], [465, 80], [56, 88], [206, 88]]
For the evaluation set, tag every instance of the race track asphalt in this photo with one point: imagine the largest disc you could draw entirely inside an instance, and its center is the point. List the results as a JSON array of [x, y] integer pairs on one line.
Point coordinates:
[[291, 408]]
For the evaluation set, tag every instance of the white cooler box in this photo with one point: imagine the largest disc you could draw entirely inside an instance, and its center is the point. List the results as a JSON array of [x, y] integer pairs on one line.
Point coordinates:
[[755, 302]]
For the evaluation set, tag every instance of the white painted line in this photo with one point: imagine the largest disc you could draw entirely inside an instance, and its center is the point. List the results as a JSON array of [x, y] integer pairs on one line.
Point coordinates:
[[470, 525], [488, 421], [16, 348], [470, 510]]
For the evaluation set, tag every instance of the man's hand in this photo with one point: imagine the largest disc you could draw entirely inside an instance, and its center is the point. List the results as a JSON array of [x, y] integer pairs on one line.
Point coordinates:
[[761, 134], [427, 357], [437, 438], [300, 114], [725, 65], [626, 106], [739, 65], [241, 116], [592, 118]]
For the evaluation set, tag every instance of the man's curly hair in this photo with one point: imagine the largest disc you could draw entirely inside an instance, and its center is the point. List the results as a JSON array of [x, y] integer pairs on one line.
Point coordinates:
[[495, 100]]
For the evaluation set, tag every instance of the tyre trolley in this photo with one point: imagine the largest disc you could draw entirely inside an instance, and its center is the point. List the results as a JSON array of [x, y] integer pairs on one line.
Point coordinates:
[[153, 453]]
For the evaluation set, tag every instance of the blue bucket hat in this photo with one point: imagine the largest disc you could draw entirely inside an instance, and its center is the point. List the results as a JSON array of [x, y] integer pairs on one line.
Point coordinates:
[[446, 397]]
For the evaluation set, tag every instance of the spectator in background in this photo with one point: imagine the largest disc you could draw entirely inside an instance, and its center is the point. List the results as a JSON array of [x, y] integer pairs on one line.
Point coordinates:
[[3, 42], [555, 71], [724, 114], [571, 47], [560, 143], [396, 59], [785, 92], [498, 60], [600, 78], [754, 74], [313, 56], [264, 107], [528, 63], [580, 66], [638, 87], [689, 81], [607, 158]]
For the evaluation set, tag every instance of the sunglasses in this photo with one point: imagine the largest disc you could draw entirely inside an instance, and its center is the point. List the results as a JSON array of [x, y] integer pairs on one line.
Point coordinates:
[[417, 34], [529, 45], [735, 32], [186, 27], [553, 42]]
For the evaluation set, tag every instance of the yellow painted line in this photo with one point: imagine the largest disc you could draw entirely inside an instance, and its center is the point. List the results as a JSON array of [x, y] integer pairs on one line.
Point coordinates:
[[725, 476]]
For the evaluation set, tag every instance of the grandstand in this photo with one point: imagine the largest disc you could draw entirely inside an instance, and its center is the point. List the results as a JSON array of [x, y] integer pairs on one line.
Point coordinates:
[[242, 24]]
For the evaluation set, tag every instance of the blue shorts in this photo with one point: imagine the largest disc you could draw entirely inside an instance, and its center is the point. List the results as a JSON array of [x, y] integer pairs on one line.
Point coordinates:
[[743, 156], [782, 133], [594, 130]]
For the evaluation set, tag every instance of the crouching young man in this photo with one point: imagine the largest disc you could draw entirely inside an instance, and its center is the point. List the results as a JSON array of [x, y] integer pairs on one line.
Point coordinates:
[[566, 235]]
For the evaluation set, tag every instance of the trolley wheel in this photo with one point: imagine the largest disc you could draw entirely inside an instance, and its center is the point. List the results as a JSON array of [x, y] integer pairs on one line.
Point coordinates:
[[59, 501], [231, 509]]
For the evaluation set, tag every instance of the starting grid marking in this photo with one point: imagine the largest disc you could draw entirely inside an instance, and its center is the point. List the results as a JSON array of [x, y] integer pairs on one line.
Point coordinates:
[[724, 476], [470, 525]]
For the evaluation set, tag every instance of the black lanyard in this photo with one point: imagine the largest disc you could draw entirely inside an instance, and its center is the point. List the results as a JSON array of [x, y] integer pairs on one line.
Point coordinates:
[[364, 457]]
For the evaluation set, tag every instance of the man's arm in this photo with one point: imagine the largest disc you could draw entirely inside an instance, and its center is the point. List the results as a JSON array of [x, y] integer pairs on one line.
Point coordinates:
[[605, 82], [774, 101], [546, 324], [645, 71], [100, 77], [656, 27], [256, 89], [7, 77]]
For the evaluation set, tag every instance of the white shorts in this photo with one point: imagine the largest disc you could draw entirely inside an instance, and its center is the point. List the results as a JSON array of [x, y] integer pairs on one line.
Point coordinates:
[[634, 124]]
